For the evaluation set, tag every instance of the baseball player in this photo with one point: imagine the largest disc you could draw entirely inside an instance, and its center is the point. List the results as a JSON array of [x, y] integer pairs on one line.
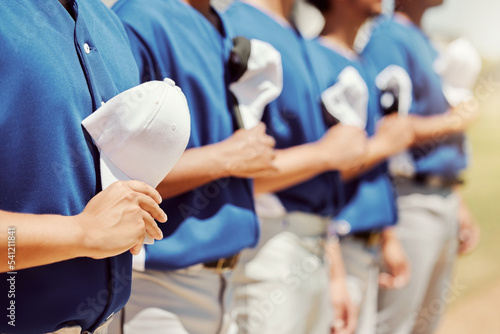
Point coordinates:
[[181, 284], [351, 96], [283, 283], [62, 59], [428, 222]]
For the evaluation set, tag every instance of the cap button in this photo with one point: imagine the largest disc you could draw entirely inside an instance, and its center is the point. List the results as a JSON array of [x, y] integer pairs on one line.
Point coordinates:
[[86, 47], [169, 81]]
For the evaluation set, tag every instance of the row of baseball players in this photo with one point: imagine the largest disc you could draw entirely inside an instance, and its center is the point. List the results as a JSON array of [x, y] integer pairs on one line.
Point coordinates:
[[313, 165]]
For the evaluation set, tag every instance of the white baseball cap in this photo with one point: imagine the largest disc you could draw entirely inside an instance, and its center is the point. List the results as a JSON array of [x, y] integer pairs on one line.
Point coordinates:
[[459, 65], [141, 133], [261, 83], [347, 99], [395, 78]]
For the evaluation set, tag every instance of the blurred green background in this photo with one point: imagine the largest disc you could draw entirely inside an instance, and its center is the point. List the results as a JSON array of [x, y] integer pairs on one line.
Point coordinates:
[[476, 308]]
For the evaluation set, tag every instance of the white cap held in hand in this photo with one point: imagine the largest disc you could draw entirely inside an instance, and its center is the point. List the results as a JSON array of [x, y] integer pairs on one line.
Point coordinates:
[[459, 66], [347, 99], [141, 133], [261, 83]]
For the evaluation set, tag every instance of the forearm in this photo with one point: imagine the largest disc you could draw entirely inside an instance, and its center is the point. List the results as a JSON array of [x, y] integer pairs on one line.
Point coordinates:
[[196, 167], [456, 120], [39, 240], [334, 258], [388, 234], [295, 165], [376, 154]]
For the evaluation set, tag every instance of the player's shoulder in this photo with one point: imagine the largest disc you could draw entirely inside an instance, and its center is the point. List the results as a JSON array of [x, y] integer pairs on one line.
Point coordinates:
[[105, 16], [237, 8], [388, 30], [314, 45], [251, 21], [151, 19], [328, 53], [153, 10]]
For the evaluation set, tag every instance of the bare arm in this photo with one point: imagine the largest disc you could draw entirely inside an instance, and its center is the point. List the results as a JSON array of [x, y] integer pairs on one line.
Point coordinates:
[[394, 135], [113, 222], [38, 240], [395, 261], [296, 164], [469, 233], [247, 154], [346, 312], [340, 148], [196, 167], [456, 120]]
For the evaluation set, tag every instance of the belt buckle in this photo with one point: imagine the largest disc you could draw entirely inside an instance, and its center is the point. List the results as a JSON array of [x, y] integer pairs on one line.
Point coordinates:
[[226, 264], [435, 181], [374, 239]]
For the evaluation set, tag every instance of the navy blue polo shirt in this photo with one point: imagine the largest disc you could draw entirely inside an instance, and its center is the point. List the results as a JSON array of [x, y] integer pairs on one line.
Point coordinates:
[[397, 41], [329, 61], [171, 39], [295, 117], [53, 74]]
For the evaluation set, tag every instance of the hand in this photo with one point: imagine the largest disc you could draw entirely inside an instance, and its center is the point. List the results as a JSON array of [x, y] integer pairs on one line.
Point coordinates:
[[343, 147], [249, 153], [395, 134], [395, 261], [469, 232], [346, 312], [116, 219]]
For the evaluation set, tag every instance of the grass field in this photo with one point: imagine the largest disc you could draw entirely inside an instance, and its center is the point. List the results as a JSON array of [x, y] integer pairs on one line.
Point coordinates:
[[477, 306]]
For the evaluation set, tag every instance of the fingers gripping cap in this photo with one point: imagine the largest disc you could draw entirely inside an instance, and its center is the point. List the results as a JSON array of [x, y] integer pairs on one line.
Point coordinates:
[[141, 133], [347, 99]]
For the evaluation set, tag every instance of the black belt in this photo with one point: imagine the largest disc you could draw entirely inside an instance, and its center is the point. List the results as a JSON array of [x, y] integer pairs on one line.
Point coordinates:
[[437, 180], [223, 264], [371, 238]]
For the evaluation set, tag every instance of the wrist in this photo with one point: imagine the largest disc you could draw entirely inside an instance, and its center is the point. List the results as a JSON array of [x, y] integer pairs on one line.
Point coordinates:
[[378, 148], [388, 235], [223, 162], [323, 158], [80, 238]]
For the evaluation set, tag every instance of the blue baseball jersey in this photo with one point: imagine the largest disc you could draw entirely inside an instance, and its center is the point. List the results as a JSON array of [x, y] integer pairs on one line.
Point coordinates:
[[54, 73], [295, 117], [369, 199], [171, 39], [397, 41]]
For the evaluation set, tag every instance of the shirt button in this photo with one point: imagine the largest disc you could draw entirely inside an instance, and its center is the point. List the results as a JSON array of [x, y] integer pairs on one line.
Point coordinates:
[[343, 227], [169, 81], [86, 47]]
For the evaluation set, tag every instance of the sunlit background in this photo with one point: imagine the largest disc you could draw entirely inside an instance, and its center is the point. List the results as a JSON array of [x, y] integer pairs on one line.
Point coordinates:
[[475, 306]]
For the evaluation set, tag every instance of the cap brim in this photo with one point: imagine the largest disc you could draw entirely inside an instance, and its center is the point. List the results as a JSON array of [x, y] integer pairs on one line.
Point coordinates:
[[110, 173]]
